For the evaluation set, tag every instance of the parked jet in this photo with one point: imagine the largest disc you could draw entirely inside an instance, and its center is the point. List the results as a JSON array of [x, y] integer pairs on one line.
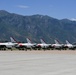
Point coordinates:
[[9, 45], [57, 45], [68, 45], [29, 44], [43, 45]]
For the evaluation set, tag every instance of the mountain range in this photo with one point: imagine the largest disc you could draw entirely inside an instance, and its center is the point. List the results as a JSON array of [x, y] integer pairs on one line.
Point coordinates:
[[36, 27]]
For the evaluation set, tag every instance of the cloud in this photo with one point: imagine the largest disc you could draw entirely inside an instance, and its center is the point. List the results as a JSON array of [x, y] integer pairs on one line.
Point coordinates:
[[23, 6], [73, 19]]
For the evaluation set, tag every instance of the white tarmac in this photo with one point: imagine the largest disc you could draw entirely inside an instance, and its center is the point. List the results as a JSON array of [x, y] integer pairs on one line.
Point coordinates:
[[37, 63]]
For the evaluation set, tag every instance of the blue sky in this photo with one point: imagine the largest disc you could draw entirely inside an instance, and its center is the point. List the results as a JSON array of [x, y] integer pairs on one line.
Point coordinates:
[[54, 8]]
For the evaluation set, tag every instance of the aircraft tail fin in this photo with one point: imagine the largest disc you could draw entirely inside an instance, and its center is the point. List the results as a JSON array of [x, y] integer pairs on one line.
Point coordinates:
[[56, 42], [67, 42], [28, 40], [13, 40], [42, 41]]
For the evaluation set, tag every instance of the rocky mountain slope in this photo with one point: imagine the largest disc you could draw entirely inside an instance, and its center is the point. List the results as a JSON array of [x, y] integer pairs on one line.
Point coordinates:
[[36, 27]]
